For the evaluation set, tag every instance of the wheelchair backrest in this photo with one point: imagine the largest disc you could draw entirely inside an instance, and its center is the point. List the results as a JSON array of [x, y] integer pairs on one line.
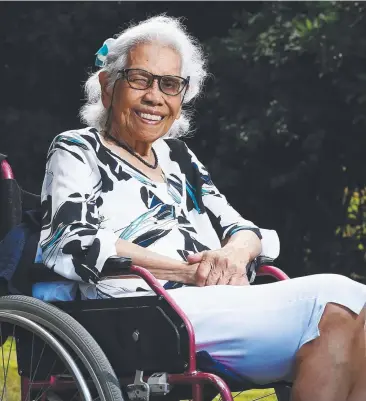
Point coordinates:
[[10, 199], [14, 200]]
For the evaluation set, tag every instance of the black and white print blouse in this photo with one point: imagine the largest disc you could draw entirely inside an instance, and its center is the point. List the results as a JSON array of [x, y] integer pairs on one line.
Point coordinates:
[[91, 197]]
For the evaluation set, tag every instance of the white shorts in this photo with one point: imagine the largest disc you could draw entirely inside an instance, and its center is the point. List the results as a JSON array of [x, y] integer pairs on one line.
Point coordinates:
[[257, 330]]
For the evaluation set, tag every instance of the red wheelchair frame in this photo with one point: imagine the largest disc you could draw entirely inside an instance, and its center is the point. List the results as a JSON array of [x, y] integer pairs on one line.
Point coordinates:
[[191, 376]]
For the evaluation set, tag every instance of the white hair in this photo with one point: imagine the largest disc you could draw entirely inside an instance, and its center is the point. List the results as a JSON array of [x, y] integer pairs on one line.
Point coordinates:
[[167, 30]]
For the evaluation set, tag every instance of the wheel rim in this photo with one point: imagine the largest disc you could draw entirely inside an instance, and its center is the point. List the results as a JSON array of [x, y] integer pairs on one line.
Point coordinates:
[[61, 334], [39, 344]]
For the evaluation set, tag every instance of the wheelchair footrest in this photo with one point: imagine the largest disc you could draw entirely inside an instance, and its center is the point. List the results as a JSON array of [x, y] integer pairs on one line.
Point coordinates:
[[157, 384]]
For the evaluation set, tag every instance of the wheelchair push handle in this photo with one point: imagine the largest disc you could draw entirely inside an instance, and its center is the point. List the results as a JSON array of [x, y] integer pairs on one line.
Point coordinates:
[[6, 173]]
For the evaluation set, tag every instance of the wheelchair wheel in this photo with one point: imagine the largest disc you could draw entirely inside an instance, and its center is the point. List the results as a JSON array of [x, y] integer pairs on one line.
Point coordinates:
[[23, 323], [44, 375]]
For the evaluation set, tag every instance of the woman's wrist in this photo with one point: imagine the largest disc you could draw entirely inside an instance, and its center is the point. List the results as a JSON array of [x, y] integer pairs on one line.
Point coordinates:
[[162, 267], [173, 270], [245, 242]]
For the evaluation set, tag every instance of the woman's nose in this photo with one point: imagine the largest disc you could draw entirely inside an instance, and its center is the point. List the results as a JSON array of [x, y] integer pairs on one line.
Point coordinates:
[[153, 94]]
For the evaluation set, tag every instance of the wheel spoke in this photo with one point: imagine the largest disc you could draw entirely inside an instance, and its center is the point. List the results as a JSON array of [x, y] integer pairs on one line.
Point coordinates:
[[2, 357], [30, 370], [42, 390], [45, 390], [5, 370]]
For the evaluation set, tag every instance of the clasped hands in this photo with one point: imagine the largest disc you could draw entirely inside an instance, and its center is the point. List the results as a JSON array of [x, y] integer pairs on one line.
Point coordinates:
[[220, 267]]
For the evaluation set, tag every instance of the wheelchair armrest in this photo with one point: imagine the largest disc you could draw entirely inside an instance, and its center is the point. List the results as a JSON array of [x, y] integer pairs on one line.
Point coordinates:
[[116, 266], [275, 272], [262, 266]]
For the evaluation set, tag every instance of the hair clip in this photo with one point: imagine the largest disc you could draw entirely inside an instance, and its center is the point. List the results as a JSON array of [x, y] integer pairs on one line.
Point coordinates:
[[102, 53]]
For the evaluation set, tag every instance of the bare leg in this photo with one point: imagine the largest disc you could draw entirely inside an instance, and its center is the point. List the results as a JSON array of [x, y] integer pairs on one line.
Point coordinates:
[[358, 392], [325, 366]]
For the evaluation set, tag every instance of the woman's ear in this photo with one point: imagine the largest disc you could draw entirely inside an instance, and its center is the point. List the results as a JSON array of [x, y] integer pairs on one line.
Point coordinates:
[[106, 93]]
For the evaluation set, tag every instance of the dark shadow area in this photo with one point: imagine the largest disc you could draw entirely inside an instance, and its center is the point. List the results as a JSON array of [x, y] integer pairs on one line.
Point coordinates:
[[281, 124]]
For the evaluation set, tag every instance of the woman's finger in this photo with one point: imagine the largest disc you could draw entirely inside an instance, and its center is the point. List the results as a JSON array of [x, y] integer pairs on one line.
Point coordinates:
[[226, 270], [218, 270], [195, 258], [203, 270]]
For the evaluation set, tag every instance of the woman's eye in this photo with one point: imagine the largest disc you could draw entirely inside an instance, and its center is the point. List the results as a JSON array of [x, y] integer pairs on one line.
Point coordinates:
[[171, 83], [139, 79]]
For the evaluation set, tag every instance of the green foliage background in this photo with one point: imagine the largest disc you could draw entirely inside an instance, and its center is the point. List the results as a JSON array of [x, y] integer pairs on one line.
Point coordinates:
[[281, 123]]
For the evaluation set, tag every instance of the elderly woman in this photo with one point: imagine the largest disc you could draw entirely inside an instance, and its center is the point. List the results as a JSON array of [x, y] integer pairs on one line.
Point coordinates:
[[126, 186]]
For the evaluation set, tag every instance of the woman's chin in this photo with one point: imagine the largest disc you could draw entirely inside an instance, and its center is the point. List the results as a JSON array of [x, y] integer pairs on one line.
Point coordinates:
[[150, 132], [146, 135]]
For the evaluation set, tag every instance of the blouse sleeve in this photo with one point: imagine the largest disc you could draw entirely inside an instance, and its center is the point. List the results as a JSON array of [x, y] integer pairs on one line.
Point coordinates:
[[225, 219], [73, 241]]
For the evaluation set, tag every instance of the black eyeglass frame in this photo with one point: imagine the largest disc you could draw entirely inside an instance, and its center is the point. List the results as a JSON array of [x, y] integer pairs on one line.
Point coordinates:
[[125, 71]]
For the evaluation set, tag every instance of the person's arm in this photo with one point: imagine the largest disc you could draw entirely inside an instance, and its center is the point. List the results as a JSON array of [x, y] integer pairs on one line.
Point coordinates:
[[74, 242], [227, 222], [162, 267], [244, 242], [241, 239]]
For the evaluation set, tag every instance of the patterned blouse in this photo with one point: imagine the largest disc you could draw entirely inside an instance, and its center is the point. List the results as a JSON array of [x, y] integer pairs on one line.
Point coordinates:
[[91, 197]]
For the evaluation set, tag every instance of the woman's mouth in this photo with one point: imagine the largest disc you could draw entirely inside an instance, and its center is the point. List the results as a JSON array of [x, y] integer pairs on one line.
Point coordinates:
[[149, 118]]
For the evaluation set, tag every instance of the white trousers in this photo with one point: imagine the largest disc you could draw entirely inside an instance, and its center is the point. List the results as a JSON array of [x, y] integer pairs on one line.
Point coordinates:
[[257, 330]]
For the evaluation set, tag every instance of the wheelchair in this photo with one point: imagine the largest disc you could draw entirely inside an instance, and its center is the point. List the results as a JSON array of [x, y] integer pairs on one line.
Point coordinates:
[[134, 348]]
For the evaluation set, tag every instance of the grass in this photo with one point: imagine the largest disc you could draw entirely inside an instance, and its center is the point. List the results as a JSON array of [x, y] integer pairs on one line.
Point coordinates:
[[255, 394], [12, 390], [12, 393]]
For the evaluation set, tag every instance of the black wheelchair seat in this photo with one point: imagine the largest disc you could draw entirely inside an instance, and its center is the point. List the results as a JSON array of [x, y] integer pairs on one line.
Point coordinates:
[[137, 333]]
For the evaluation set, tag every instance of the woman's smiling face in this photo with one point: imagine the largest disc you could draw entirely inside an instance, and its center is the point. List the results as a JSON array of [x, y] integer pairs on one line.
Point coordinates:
[[145, 115]]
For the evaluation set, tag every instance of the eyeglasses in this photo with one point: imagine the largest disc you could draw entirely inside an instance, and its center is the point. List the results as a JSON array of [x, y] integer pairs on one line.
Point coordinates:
[[171, 85]]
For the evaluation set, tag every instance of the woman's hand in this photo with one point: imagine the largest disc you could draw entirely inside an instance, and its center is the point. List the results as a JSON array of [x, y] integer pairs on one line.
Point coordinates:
[[227, 266], [220, 267], [162, 267]]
